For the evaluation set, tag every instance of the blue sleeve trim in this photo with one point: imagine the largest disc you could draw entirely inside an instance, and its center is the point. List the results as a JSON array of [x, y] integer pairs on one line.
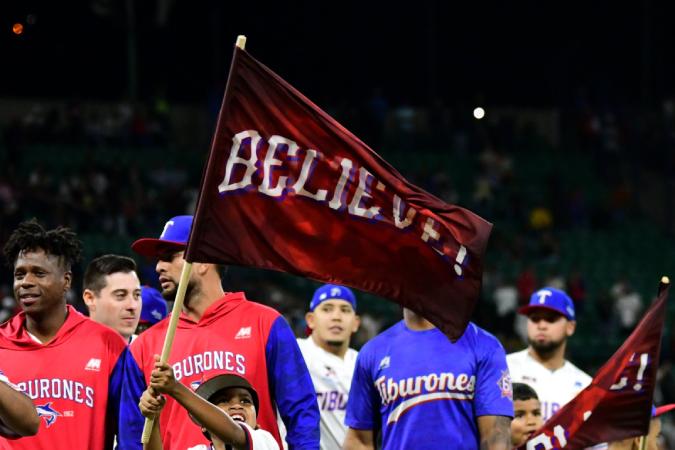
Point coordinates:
[[362, 413], [493, 388], [114, 398], [291, 387], [130, 418]]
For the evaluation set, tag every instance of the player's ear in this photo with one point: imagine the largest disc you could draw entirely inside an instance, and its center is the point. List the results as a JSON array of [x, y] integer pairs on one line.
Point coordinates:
[[67, 280], [570, 327], [310, 319], [357, 323], [89, 299], [201, 268]]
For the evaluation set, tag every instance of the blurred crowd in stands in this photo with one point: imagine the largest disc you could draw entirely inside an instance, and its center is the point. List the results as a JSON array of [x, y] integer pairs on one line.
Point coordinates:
[[542, 188]]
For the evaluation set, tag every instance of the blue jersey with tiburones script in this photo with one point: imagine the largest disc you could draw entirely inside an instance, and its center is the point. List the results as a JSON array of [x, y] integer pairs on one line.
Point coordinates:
[[424, 392]]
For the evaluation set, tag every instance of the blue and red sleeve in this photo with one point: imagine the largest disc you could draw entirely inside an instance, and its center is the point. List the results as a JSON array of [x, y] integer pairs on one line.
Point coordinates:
[[130, 383], [292, 387]]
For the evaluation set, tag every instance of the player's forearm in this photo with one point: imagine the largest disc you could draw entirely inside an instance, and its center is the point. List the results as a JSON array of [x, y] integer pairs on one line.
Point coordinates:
[[359, 440], [215, 420], [495, 432], [17, 411]]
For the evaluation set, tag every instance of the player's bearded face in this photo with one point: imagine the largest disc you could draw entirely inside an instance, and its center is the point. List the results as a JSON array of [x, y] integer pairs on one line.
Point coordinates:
[[40, 282], [547, 331], [169, 268]]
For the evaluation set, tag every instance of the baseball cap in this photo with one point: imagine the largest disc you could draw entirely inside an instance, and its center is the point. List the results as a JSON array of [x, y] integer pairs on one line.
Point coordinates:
[[551, 299], [332, 292], [175, 234], [211, 387], [154, 306]]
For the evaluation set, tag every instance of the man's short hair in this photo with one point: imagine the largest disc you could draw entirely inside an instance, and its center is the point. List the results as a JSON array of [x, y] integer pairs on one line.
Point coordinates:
[[31, 236], [522, 391], [99, 268]]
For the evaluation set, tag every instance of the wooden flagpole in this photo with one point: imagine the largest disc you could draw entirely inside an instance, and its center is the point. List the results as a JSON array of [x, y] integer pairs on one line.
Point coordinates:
[[170, 333], [177, 308], [642, 443]]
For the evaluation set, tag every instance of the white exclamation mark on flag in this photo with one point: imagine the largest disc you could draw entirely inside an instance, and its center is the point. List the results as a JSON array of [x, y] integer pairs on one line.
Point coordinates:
[[461, 254], [644, 358]]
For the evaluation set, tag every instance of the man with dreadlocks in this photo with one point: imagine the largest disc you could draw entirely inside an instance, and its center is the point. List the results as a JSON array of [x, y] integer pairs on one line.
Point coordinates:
[[70, 366]]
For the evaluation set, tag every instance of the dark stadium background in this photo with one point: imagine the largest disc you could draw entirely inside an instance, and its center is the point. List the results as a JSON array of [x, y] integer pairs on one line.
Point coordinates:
[[107, 108]]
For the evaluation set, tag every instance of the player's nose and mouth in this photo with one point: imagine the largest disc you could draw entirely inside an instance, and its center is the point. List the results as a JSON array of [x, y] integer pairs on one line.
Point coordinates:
[[27, 292], [164, 279], [336, 323], [130, 313]]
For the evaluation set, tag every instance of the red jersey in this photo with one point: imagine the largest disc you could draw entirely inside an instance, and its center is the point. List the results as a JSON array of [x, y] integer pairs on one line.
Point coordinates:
[[69, 380], [233, 336]]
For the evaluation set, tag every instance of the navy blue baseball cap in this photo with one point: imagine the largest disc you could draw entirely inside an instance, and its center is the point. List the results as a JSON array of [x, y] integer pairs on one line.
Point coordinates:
[[551, 299], [174, 236], [154, 306], [332, 292]]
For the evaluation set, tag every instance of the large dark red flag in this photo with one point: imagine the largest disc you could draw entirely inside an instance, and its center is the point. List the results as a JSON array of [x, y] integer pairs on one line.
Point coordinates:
[[617, 405], [288, 188]]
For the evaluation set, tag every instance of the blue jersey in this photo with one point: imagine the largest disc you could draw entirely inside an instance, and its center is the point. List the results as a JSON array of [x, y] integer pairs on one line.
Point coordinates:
[[424, 392]]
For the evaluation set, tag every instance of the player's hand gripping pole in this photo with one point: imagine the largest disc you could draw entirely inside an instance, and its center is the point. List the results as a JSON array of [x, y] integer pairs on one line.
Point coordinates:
[[170, 333], [177, 307], [665, 281]]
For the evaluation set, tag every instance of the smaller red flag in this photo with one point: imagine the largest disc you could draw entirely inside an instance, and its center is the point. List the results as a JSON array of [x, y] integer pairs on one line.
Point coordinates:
[[618, 403]]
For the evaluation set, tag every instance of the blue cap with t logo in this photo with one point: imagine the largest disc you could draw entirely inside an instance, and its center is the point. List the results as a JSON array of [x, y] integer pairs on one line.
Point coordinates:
[[174, 236], [551, 299]]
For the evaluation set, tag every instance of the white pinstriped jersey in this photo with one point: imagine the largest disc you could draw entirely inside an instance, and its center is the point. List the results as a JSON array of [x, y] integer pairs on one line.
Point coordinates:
[[554, 387], [332, 378]]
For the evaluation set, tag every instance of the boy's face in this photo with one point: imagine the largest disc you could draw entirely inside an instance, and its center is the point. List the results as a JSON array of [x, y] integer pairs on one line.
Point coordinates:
[[526, 420], [238, 404]]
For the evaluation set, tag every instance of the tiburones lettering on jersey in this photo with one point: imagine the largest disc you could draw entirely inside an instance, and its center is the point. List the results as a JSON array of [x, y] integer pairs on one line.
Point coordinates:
[[58, 388], [210, 360], [332, 400], [461, 385]]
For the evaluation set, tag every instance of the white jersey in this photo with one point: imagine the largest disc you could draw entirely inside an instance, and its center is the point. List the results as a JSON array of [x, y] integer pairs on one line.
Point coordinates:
[[258, 439], [554, 387], [332, 378]]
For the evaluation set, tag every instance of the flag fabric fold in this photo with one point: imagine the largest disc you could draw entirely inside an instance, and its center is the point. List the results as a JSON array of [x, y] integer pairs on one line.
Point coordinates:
[[288, 188], [617, 404]]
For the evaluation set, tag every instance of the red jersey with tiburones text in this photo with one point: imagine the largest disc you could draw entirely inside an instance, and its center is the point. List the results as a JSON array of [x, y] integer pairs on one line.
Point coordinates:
[[236, 336], [73, 380]]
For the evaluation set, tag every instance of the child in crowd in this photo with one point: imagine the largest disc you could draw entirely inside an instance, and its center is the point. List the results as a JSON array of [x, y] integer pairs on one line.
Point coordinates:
[[526, 414], [225, 406]]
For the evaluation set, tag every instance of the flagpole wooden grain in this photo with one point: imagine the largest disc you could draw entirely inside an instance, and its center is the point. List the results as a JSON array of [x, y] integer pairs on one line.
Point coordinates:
[[170, 333]]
